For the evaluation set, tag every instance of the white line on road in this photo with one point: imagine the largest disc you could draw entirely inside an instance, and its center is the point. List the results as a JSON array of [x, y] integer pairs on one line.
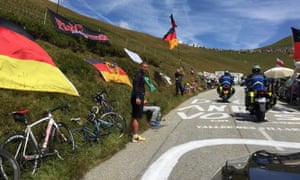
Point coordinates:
[[262, 130], [163, 166]]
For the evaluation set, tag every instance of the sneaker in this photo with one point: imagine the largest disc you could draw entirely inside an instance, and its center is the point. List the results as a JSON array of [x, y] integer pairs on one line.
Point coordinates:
[[155, 123], [137, 139]]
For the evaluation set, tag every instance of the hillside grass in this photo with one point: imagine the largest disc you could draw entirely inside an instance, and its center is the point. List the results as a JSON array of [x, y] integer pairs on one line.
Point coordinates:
[[68, 53]]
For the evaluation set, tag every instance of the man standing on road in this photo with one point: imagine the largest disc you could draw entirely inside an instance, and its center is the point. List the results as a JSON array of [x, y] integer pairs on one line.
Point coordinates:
[[137, 101]]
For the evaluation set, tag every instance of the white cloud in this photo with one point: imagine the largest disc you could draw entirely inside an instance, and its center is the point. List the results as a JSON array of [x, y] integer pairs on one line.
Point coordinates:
[[124, 25]]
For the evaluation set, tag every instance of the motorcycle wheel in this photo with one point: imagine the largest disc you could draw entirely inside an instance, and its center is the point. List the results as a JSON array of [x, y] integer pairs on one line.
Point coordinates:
[[260, 116]]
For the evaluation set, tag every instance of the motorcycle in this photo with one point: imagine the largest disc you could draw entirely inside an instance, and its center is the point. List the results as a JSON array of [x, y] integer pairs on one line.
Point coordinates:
[[259, 102], [225, 92]]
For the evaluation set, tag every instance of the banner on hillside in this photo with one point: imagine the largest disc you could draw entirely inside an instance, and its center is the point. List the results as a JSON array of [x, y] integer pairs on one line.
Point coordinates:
[[134, 56], [69, 27], [27, 66], [110, 71], [166, 78]]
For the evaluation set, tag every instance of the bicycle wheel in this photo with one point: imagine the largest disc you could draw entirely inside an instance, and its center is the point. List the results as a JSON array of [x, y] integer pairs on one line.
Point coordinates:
[[14, 144], [83, 135], [78, 137], [116, 121], [9, 167], [62, 140]]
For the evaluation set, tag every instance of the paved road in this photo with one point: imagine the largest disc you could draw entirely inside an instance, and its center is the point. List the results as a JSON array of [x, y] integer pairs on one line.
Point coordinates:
[[198, 136]]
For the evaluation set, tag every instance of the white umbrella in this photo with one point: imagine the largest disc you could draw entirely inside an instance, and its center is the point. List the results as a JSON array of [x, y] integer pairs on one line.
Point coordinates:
[[279, 72]]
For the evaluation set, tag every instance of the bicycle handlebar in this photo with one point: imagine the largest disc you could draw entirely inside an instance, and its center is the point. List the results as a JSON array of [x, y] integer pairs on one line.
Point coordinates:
[[65, 108], [100, 96]]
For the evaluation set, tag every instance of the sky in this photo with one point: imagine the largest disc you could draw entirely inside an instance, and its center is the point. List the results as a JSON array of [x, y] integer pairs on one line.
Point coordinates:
[[225, 24]]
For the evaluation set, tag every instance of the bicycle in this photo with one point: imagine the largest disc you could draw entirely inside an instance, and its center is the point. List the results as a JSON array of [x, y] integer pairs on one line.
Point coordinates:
[[9, 167], [25, 146], [93, 129], [104, 104]]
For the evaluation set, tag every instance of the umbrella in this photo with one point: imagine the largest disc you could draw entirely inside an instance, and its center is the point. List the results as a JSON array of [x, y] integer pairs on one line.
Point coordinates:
[[279, 72]]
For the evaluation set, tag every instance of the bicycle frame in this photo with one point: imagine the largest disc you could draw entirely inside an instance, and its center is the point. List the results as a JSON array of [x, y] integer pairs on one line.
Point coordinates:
[[29, 135], [29, 149]]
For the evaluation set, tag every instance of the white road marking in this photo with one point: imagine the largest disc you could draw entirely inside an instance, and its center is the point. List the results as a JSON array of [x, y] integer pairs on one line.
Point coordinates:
[[163, 166], [266, 135]]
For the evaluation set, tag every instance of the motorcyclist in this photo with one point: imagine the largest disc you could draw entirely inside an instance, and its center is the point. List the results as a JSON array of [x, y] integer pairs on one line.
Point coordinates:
[[226, 80], [254, 82]]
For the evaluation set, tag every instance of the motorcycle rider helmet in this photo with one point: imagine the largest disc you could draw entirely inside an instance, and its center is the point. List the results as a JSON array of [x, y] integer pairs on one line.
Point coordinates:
[[226, 72], [256, 69]]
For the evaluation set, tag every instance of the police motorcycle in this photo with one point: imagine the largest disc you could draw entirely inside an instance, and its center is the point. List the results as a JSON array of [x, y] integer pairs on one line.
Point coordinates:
[[259, 100], [225, 89]]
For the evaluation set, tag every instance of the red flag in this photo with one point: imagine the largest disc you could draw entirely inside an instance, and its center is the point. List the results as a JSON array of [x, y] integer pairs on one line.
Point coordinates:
[[174, 25], [26, 66], [296, 39], [279, 62], [171, 38]]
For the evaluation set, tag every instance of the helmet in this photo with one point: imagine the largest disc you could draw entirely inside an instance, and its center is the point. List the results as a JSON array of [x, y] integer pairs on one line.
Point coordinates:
[[226, 72], [255, 69]]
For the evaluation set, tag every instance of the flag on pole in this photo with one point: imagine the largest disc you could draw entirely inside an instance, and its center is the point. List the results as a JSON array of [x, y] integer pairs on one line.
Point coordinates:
[[26, 66], [296, 40], [279, 62], [174, 25], [171, 36]]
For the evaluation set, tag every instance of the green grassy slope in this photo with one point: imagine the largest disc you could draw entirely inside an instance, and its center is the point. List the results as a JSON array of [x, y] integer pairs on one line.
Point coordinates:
[[68, 53]]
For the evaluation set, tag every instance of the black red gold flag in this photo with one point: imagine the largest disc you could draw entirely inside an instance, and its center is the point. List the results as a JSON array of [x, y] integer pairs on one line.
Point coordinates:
[[173, 23], [67, 26], [110, 71], [296, 39], [26, 66], [171, 38]]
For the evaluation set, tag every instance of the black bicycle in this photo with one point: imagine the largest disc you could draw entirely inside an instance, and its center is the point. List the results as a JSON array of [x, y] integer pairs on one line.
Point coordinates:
[[28, 149], [105, 104], [94, 128], [9, 167]]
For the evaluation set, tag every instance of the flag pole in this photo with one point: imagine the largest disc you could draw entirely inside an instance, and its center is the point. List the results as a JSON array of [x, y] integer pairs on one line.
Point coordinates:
[[178, 53]]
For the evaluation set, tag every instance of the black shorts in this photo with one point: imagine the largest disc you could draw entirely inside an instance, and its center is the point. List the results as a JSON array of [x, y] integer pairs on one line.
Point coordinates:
[[137, 110]]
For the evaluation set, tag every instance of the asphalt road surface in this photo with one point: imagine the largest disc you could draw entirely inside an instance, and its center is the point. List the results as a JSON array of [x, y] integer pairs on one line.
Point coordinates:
[[199, 136]]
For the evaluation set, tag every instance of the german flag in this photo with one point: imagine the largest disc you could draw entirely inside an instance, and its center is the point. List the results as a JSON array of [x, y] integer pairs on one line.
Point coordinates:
[[173, 23], [110, 71], [296, 39], [171, 37], [27, 66]]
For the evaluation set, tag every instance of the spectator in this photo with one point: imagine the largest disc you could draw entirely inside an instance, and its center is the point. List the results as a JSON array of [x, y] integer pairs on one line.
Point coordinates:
[[155, 116], [137, 101], [194, 86], [178, 82]]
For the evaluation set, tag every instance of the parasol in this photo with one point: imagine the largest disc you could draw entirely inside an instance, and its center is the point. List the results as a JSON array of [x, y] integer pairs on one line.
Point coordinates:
[[279, 72]]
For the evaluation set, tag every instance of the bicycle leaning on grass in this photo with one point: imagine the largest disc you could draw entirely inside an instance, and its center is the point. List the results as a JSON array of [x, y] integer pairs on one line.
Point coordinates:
[[104, 104], [93, 128], [29, 150], [9, 167]]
